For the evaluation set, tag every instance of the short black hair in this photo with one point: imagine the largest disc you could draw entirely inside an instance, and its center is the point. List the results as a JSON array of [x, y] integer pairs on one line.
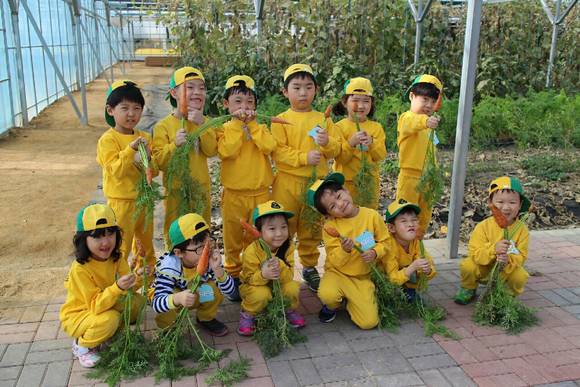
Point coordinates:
[[425, 89], [339, 108], [241, 89], [128, 92], [198, 238], [404, 211], [260, 220], [301, 75], [82, 252], [330, 186]]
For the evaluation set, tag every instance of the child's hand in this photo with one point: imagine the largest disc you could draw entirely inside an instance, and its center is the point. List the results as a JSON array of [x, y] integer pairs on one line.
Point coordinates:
[[215, 262], [271, 269], [180, 137], [433, 122], [313, 157], [322, 137], [369, 256], [195, 116], [127, 281], [502, 247], [135, 143], [347, 244], [367, 140], [142, 270], [502, 258], [245, 115], [356, 139], [185, 298]]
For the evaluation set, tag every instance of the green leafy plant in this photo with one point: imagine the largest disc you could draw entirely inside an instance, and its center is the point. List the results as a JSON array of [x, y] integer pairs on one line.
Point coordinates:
[[390, 300], [148, 190], [364, 181], [551, 167], [432, 182], [234, 372]]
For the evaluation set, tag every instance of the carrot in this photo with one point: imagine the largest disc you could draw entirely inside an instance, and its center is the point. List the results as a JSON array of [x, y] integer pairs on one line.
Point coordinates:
[[327, 111], [498, 216], [149, 175], [335, 234], [183, 101], [277, 120], [438, 102], [203, 262], [250, 229]]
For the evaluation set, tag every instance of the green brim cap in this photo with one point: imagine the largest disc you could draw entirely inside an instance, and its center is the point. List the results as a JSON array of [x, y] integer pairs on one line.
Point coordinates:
[[114, 86], [511, 183], [424, 78], [335, 177], [269, 208], [396, 207]]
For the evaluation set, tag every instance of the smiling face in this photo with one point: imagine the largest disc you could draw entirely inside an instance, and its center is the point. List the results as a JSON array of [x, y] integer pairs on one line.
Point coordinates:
[[126, 114], [404, 227], [421, 104], [191, 254], [196, 93], [274, 231], [300, 92], [508, 202], [102, 246], [362, 104], [338, 204], [237, 101]]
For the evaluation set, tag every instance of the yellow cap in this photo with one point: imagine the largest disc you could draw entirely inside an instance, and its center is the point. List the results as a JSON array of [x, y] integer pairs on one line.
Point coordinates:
[[115, 85], [298, 68], [425, 78], [511, 183], [359, 86], [397, 206], [269, 208], [186, 227], [238, 80], [95, 216], [181, 75]]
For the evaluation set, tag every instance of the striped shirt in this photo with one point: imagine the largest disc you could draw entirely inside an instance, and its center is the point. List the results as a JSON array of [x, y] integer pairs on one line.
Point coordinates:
[[169, 279]]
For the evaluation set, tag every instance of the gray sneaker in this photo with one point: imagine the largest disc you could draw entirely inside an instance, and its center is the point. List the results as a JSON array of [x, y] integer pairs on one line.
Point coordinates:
[[312, 278]]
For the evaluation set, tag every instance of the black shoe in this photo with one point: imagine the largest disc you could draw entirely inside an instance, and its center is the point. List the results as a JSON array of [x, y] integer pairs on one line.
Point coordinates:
[[326, 315], [235, 296], [312, 278], [214, 327]]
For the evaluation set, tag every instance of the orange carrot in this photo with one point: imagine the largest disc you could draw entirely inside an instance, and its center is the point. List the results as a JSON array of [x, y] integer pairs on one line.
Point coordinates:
[[253, 231], [499, 217], [149, 175], [327, 111], [203, 259], [438, 103], [277, 120], [332, 231], [183, 101]]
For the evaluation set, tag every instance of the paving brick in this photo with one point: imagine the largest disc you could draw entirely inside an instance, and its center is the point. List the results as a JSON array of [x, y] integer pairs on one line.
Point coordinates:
[[327, 343], [297, 351], [48, 356], [53, 307], [7, 373], [486, 368], [46, 345], [434, 378], [12, 338], [11, 315], [256, 382], [568, 372], [18, 328], [370, 343], [8, 383], [567, 294], [457, 377], [423, 349], [401, 379], [458, 352], [282, 374], [50, 316], [546, 340], [384, 361], [32, 313], [57, 374], [258, 370], [514, 350], [511, 380], [305, 372], [146, 382], [47, 330], [342, 366], [501, 339], [559, 384], [525, 371], [14, 354], [31, 375], [432, 361], [189, 381], [554, 297]]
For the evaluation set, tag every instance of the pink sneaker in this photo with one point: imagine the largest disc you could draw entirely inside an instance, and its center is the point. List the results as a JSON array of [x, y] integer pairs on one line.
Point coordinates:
[[295, 319], [88, 357], [247, 324]]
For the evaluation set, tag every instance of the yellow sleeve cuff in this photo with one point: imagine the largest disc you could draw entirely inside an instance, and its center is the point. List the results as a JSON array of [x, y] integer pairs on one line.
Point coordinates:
[[170, 303]]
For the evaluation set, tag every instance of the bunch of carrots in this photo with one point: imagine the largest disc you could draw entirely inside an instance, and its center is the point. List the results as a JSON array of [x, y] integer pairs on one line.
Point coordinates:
[[364, 181], [148, 190]]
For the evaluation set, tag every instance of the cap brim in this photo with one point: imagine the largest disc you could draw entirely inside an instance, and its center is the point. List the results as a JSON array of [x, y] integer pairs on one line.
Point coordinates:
[[110, 120], [525, 204]]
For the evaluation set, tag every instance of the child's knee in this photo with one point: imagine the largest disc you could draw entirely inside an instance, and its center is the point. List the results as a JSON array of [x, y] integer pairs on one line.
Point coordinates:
[[517, 280], [369, 321], [328, 292]]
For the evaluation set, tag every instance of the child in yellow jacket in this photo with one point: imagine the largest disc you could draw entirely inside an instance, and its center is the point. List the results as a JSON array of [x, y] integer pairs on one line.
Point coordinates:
[[368, 142], [96, 280], [505, 242], [302, 146], [168, 135], [244, 147], [413, 130], [404, 260], [118, 155], [346, 269], [258, 272]]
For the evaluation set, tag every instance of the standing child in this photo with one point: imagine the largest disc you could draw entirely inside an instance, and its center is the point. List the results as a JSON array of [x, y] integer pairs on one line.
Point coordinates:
[[176, 269], [92, 311], [118, 154], [302, 145], [246, 173], [346, 270], [488, 243], [413, 132], [168, 135], [258, 272], [404, 261], [358, 101]]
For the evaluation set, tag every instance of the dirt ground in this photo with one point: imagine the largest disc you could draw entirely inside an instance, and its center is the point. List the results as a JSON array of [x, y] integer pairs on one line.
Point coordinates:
[[48, 172]]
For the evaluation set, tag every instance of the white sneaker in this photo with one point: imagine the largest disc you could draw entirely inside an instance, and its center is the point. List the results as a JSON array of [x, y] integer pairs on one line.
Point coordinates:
[[88, 357]]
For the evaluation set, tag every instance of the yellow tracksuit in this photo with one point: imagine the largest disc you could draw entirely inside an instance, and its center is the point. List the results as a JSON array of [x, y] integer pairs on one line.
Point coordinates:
[[481, 257], [92, 311], [246, 175], [397, 259], [413, 140], [163, 148], [256, 291], [290, 157], [346, 275], [120, 177], [349, 160]]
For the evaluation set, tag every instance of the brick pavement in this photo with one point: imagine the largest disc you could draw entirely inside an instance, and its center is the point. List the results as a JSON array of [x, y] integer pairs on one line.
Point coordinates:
[[35, 352]]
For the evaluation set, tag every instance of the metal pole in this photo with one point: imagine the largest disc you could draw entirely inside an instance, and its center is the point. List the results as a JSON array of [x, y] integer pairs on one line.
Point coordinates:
[[97, 39], [464, 114], [555, 25], [418, 32], [108, 15], [259, 8], [19, 62], [81, 63], [121, 47], [10, 96], [94, 50]]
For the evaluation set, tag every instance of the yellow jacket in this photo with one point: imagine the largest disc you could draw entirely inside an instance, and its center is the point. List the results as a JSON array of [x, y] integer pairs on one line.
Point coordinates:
[[481, 248], [349, 159], [164, 145], [245, 159], [116, 158], [412, 139], [397, 259], [351, 263], [252, 259], [91, 289], [294, 143]]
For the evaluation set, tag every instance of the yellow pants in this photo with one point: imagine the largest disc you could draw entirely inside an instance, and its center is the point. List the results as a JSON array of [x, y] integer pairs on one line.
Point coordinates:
[[95, 329], [471, 274], [349, 184], [359, 293], [255, 298], [133, 229], [171, 213], [238, 205], [406, 189], [205, 312], [288, 190]]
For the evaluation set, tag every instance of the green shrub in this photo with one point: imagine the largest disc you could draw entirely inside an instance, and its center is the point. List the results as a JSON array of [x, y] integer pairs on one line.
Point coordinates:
[[550, 167]]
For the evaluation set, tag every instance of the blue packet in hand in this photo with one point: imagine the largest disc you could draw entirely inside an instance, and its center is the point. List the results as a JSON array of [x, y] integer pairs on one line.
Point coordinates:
[[366, 240], [205, 293], [313, 132]]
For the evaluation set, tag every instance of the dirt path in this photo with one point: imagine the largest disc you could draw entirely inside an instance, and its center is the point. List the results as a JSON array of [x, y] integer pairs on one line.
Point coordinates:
[[48, 172]]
